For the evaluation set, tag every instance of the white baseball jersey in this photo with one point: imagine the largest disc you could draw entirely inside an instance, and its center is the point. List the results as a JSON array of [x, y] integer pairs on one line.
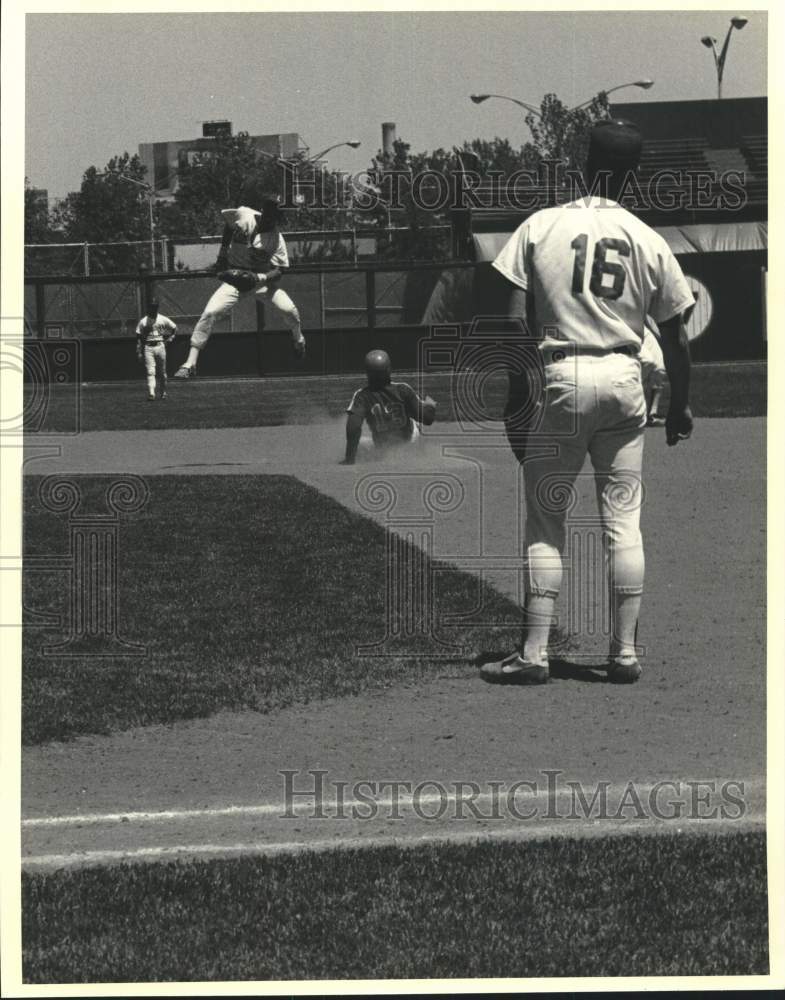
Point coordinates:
[[595, 271], [267, 249], [155, 331]]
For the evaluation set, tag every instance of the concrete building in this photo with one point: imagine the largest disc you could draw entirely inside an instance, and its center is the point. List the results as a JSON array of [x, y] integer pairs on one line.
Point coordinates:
[[164, 159]]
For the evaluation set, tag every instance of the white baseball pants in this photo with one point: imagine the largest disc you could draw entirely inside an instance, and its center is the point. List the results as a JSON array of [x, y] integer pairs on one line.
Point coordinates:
[[593, 405], [224, 299], [155, 366]]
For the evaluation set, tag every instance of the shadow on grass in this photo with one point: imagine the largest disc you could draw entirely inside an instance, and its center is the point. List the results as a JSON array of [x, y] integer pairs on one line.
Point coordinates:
[[247, 592]]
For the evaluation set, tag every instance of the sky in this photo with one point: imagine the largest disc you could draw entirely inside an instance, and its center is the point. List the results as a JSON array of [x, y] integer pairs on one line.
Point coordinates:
[[101, 83]]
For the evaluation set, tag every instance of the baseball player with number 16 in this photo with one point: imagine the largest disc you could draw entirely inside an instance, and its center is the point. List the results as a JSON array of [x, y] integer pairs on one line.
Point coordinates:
[[592, 273]]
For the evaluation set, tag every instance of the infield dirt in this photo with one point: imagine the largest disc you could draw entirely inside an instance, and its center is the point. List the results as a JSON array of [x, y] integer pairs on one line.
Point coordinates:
[[697, 714]]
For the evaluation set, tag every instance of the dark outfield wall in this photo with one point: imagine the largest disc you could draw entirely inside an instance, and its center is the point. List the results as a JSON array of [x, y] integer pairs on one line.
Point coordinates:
[[728, 323]]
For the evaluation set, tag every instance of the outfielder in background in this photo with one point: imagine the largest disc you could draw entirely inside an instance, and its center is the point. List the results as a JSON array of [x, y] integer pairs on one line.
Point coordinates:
[[153, 332], [592, 273], [252, 259], [392, 410]]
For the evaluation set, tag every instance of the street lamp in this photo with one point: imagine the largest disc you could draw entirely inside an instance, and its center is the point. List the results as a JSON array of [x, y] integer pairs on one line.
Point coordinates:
[[645, 84], [737, 22], [479, 98], [354, 143]]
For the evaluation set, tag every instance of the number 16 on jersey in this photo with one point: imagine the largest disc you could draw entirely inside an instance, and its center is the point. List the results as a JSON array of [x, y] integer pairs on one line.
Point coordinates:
[[600, 267]]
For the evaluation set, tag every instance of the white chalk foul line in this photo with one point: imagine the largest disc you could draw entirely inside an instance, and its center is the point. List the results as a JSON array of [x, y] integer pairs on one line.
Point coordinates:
[[160, 816], [444, 837], [331, 808]]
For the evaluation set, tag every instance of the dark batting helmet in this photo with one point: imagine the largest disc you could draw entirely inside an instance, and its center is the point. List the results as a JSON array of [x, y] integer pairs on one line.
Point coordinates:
[[377, 367]]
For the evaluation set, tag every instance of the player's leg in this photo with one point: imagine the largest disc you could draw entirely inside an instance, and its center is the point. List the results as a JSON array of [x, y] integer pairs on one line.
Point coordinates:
[[160, 369], [221, 302], [149, 367], [289, 314], [549, 486], [620, 496], [617, 457]]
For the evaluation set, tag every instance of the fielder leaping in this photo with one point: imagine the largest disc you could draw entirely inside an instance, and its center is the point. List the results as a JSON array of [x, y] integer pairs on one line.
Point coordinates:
[[257, 238]]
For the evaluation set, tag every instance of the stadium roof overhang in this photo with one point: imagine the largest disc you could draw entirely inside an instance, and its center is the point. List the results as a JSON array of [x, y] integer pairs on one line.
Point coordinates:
[[703, 238]]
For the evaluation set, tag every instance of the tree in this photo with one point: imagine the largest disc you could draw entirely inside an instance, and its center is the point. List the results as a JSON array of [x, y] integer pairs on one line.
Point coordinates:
[[561, 133], [107, 209], [232, 172], [38, 228], [407, 201], [500, 155], [235, 172]]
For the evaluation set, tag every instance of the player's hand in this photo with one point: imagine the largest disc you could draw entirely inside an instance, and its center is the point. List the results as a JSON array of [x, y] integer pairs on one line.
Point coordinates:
[[678, 425]]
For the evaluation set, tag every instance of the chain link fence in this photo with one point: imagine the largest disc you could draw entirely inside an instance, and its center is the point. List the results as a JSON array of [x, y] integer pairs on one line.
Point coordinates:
[[173, 253], [344, 297]]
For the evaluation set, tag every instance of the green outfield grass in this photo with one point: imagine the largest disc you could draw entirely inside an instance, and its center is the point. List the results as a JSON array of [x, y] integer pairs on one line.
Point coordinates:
[[725, 390], [686, 905], [248, 592]]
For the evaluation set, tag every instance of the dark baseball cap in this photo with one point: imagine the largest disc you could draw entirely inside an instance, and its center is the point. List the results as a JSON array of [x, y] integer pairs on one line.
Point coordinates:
[[615, 142]]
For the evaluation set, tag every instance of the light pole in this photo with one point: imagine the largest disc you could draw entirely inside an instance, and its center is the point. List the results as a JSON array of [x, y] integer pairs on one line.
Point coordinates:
[[738, 23], [479, 98], [644, 84], [354, 143]]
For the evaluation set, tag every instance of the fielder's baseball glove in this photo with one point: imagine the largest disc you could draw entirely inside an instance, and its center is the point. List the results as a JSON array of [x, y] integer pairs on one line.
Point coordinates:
[[243, 281]]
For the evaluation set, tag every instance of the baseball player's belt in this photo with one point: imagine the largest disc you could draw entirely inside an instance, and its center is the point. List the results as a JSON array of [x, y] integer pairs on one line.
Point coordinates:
[[555, 354]]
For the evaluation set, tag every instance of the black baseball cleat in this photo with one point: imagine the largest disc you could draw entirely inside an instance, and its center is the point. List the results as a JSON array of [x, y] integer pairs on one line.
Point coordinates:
[[623, 669], [185, 371], [298, 346], [515, 670]]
